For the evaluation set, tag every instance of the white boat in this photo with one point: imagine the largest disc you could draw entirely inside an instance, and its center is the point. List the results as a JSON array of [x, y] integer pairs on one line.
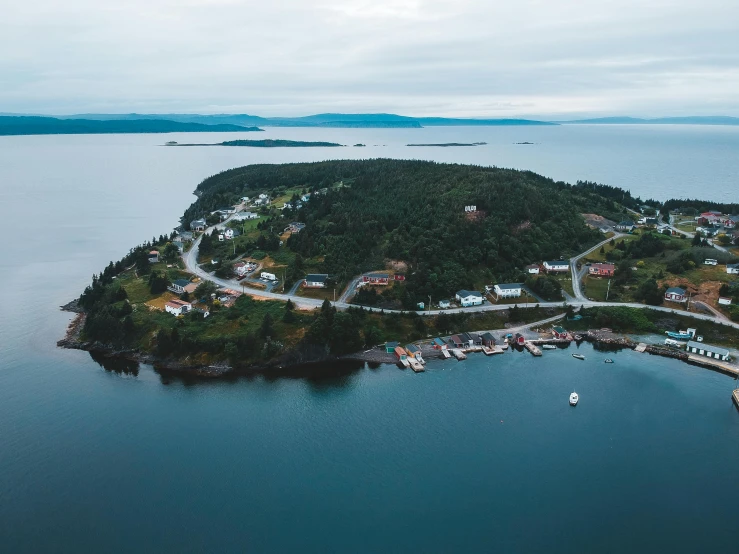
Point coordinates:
[[574, 399], [578, 356], [548, 346]]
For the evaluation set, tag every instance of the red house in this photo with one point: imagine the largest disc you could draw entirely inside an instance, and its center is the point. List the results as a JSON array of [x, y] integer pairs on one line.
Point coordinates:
[[559, 332], [602, 270], [399, 277], [376, 278], [520, 340]]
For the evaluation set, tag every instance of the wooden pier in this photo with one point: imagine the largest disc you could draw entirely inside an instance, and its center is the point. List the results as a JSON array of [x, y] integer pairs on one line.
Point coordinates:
[[641, 347], [404, 363], [459, 354], [490, 351], [735, 396], [416, 365], [718, 365], [531, 347], [445, 354]]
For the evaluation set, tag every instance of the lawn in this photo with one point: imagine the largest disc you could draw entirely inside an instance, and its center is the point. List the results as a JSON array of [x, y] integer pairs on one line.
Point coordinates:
[[595, 288]]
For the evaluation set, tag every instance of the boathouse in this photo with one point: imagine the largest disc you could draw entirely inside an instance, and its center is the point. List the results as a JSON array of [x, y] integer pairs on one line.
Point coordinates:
[[439, 344], [488, 339], [391, 346], [707, 350], [519, 339], [559, 332], [400, 353], [413, 350]]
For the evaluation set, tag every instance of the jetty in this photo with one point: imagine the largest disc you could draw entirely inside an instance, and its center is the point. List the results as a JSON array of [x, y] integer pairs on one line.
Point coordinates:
[[416, 365], [723, 367], [445, 354], [489, 351], [735, 396], [404, 363], [531, 347], [459, 354], [641, 347]]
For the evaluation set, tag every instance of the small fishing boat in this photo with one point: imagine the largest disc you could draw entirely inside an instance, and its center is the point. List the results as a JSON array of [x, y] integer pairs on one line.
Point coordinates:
[[577, 337], [548, 347], [578, 356], [574, 399], [608, 361]]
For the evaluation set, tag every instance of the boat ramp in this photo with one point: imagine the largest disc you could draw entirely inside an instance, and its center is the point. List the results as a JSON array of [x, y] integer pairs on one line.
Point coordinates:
[[416, 365], [531, 347], [459, 354]]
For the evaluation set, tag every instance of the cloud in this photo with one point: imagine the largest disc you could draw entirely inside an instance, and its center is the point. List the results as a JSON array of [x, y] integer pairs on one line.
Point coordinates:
[[420, 57]]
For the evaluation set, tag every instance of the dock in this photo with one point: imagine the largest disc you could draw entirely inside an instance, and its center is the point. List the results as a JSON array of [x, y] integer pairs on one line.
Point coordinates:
[[531, 347], [641, 347], [416, 365], [490, 351], [404, 363], [735, 396], [459, 354], [718, 365], [445, 354]]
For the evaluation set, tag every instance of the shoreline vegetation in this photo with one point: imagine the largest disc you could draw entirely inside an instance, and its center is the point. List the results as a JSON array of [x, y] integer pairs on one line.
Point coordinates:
[[266, 143], [425, 230], [447, 144]]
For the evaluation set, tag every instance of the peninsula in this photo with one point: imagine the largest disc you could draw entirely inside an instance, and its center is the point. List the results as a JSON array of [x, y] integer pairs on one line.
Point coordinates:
[[266, 143], [276, 265]]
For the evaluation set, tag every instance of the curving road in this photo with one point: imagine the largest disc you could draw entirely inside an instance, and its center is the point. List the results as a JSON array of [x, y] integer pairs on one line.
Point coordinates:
[[578, 275], [191, 256]]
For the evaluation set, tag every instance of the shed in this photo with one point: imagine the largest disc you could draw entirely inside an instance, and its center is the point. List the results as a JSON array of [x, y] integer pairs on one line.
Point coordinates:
[[708, 350]]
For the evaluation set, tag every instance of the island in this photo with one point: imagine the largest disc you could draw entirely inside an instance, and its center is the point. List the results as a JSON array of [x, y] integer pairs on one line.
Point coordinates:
[[447, 144], [274, 266], [266, 143]]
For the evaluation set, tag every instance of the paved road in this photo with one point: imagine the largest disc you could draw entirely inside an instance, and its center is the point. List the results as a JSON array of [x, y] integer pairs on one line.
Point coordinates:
[[578, 275], [190, 260]]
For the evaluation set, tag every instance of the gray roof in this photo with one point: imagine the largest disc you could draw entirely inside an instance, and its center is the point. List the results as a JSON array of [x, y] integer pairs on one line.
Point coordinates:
[[509, 286], [464, 293], [733, 266], [316, 277], [181, 282], [559, 262], [708, 348], [675, 290]]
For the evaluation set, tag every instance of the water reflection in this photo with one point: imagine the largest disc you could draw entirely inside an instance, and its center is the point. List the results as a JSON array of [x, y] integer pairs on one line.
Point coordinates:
[[116, 365]]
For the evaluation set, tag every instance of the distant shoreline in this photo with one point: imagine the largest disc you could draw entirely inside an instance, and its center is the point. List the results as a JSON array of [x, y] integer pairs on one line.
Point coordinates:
[[266, 143]]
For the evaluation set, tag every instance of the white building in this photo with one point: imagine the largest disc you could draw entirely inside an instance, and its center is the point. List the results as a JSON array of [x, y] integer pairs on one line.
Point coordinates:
[[177, 307], [724, 301], [444, 304], [732, 268], [316, 280], [469, 298], [532, 269], [708, 350], [243, 216], [557, 265], [268, 276], [470, 209], [507, 290]]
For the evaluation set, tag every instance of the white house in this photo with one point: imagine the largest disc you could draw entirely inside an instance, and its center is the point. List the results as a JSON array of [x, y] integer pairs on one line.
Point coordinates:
[[178, 287], [153, 257], [228, 234], [177, 307], [470, 209], [507, 290], [724, 301], [243, 216], [532, 269], [316, 280], [732, 268], [469, 298], [557, 265], [444, 304], [708, 350], [198, 225]]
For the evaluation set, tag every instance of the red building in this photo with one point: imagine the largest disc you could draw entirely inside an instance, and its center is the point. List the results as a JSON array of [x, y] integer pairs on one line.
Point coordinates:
[[602, 270], [520, 340], [376, 278], [399, 277]]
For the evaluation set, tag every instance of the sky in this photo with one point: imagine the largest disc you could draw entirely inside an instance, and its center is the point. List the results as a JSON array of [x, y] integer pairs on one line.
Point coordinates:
[[460, 58]]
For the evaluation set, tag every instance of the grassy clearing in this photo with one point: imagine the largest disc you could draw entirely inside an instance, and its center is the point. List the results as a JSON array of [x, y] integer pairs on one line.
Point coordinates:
[[595, 287]]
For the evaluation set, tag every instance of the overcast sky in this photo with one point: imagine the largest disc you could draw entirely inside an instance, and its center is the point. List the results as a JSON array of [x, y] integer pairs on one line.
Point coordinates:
[[550, 58]]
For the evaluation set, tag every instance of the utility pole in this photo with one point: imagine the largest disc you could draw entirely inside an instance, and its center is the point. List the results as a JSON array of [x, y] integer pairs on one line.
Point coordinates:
[[334, 296], [429, 308], [608, 290]]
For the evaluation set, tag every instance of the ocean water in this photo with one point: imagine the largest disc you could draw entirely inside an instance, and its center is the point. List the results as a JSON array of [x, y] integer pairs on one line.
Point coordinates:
[[470, 456]]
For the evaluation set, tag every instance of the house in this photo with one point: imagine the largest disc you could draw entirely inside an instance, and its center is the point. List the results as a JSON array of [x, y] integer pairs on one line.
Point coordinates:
[[710, 261], [474, 339], [263, 196], [198, 225], [244, 199], [376, 279], [532, 269], [240, 269], [305, 197], [519, 339], [390, 346], [413, 350], [651, 221], [315, 281], [469, 297], [470, 209], [179, 244], [178, 287], [732, 268], [557, 266], [243, 216], [401, 354], [602, 270], [731, 221], [177, 307], [625, 226], [295, 227], [444, 304], [708, 350], [724, 301], [676, 294], [439, 344], [230, 234], [458, 341], [398, 277], [710, 218], [559, 332], [507, 290], [186, 236], [488, 339], [153, 257]]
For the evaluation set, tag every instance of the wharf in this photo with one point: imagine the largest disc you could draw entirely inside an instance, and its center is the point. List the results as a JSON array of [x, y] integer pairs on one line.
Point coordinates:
[[641, 347], [531, 347], [735, 396], [445, 354], [404, 363], [550, 341], [488, 351], [459, 354], [723, 367], [416, 365]]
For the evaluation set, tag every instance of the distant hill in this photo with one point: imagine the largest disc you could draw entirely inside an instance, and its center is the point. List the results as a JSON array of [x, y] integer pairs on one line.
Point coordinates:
[[687, 120], [34, 125], [444, 121]]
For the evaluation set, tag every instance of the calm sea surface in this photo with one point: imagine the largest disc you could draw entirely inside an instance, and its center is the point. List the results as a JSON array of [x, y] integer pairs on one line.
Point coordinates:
[[483, 455]]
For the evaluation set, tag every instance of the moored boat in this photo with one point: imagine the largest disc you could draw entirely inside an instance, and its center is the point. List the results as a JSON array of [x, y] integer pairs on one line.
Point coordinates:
[[578, 356], [548, 347], [608, 361], [574, 399]]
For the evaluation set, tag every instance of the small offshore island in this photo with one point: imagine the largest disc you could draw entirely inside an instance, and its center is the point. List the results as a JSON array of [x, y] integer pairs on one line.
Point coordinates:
[[275, 266]]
